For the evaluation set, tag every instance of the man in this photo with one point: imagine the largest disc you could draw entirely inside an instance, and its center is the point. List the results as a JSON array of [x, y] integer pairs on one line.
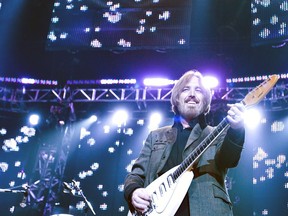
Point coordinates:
[[167, 147]]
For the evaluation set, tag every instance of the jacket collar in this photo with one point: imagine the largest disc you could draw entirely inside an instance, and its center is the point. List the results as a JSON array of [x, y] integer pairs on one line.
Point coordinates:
[[201, 120]]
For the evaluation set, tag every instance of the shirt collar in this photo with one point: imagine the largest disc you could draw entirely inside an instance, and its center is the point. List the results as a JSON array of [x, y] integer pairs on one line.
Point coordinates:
[[200, 119]]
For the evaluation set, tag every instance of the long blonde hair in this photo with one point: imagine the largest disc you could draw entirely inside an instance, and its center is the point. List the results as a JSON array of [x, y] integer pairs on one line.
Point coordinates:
[[184, 79]]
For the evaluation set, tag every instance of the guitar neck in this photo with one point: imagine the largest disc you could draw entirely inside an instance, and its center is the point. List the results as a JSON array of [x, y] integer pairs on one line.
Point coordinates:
[[201, 148], [252, 98], [165, 201]]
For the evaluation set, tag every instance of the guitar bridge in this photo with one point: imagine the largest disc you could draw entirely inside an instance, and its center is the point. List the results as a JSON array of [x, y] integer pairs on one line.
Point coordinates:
[[146, 213], [149, 210]]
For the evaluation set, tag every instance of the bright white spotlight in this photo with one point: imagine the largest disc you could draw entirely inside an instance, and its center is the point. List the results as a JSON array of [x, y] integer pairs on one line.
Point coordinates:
[[93, 118], [34, 119], [158, 82], [120, 117], [84, 133], [155, 120], [252, 118], [211, 82]]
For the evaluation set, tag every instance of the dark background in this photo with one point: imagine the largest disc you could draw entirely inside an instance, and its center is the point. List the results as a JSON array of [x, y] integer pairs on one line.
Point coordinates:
[[220, 41]]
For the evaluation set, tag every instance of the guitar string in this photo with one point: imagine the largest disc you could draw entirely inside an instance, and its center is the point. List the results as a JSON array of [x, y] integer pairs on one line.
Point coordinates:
[[199, 149]]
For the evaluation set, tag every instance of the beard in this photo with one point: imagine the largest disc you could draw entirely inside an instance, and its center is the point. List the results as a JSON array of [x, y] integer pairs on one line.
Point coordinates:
[[189, 112]]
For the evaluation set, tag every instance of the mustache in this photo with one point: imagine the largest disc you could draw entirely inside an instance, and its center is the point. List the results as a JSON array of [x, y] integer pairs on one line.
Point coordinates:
[[192, 98]]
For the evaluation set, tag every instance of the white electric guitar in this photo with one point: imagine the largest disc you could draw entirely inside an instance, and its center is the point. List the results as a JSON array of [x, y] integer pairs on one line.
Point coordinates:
[[169, 189]]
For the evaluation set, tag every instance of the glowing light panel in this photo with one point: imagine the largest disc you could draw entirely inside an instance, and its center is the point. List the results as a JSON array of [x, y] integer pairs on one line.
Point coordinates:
[[119, 24]]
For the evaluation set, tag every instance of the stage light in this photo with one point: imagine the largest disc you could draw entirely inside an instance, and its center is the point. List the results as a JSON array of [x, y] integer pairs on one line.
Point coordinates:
[[277, 126], [82, 175], [140, 122], [80, 205], [10, 145], [129, 152], [103, 206], [62, 122], [3, 131], [12, 183], [155, 120], [125, 19], [28, 81], [211, 82], [106, 129], [17, 163], [120, 118], [94, 166], [34, 119], [129, 131], [158, 82], [93, 118], [111, 150], [27, 131], [21, 175], [104, 193], [116, 81], [252, 118], [4, 166], [84, 133], [91, 141]]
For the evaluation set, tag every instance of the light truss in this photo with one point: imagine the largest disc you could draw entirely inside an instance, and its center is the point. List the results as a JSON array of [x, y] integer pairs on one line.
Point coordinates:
[[49, 171], [277, 97]]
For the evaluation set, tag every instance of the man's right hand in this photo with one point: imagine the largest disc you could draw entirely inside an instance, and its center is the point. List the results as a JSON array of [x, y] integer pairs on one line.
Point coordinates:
[[140, 199]]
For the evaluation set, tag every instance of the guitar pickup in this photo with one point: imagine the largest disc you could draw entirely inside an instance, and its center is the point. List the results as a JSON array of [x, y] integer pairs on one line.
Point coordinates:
[[170, 180]]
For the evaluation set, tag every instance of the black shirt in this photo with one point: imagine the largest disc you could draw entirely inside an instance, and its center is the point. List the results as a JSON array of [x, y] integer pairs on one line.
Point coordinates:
[[175, 157]]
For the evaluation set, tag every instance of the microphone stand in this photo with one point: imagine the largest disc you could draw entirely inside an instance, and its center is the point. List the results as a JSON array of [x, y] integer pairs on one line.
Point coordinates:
[[75, 186], [12, 191], [25, 192]]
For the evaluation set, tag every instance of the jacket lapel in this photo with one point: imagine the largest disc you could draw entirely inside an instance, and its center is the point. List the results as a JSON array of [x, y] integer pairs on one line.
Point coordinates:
[[192, 141], [170, 136], [194, 136]]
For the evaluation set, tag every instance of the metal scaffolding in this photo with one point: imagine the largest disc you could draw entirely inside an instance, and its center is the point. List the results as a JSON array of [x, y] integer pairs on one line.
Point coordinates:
[[17, 99], [49, 167], [51, 160]]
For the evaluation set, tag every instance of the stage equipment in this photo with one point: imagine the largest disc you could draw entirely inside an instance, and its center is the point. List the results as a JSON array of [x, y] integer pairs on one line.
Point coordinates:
[[25, 193], [74, 189]]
